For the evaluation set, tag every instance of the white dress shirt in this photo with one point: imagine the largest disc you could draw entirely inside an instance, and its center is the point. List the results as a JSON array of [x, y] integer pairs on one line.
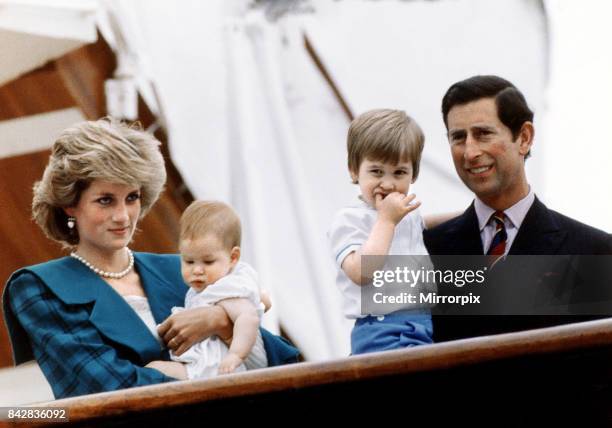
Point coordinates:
[[514, 218]]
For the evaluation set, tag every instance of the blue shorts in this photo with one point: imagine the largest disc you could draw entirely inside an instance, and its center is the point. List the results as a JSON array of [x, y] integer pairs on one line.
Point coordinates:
[[396, 330]]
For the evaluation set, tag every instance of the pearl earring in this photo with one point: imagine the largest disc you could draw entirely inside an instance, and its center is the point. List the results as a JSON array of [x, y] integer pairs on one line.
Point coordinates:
[[71, 222]]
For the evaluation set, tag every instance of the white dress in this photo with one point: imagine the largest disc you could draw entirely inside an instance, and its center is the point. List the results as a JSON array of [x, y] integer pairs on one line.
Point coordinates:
[[202, 359]]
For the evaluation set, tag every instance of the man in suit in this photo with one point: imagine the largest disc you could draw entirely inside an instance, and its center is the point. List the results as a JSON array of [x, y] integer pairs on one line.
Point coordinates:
[[490, 131]]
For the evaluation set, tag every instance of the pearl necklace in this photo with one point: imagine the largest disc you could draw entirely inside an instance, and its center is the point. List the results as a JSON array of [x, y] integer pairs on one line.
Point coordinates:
[[103, 273]]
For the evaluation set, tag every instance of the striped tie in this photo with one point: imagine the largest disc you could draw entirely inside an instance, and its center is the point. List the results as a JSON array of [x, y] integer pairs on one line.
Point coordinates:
[[498, 244]]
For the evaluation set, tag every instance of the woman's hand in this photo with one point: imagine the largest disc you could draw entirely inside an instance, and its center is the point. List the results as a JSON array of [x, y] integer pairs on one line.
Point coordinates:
[[186, 328], [169, 368]]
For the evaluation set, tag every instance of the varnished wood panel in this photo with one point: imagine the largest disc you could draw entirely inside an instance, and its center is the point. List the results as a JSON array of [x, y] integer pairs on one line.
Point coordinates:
[[39, 91], [84, 71]]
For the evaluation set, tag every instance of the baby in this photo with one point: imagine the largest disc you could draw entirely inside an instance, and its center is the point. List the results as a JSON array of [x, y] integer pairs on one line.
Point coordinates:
[[210, 235]]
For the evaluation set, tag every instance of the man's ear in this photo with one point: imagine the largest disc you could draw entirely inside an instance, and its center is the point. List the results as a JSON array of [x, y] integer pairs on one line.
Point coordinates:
[[234, 256], [525, 138]]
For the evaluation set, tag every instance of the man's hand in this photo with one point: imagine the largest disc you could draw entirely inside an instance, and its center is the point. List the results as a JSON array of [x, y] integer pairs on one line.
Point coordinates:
[[394, 207], [184, 329], [265, 298], [229, 363]]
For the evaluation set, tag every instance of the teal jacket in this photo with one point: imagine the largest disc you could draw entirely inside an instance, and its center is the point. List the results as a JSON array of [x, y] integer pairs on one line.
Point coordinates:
[[84, 335]]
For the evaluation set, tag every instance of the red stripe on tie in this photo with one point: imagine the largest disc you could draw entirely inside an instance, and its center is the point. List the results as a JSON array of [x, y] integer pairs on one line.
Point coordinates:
[[498, 244]]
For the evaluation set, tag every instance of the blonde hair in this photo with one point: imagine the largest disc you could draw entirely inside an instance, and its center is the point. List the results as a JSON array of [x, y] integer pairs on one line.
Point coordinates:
[[105, 149], [387, 136], [202, 217]]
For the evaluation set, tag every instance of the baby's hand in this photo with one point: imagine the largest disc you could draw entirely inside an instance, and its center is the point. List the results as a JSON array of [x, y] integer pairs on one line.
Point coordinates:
[[229, 363], [395, 206]]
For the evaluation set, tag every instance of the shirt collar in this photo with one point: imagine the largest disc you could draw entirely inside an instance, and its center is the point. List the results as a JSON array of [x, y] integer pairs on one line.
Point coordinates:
[[364, 204], [516, 213]]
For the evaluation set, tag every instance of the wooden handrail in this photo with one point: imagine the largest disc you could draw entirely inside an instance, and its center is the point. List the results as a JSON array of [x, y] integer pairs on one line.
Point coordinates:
[[572, 338]]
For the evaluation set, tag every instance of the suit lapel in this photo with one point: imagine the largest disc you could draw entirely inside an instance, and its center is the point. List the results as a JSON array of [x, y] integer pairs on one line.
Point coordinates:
[[464, 236], [539, 233], [74, 283], [161, 294], [116, 319]]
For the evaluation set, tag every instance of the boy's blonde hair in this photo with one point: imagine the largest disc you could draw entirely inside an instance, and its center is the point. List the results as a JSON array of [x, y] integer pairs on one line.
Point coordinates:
[[202, 217], [385, 135]]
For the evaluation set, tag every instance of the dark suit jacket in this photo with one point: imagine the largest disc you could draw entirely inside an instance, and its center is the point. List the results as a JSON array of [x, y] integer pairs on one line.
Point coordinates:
[[84, 335], [543, 232]]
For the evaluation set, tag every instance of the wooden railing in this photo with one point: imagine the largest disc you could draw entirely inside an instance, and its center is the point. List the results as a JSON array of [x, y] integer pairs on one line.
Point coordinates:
[[516, 376]]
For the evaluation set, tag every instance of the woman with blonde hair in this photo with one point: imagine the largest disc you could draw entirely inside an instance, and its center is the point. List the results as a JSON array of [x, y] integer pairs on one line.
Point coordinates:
[[90, 319]]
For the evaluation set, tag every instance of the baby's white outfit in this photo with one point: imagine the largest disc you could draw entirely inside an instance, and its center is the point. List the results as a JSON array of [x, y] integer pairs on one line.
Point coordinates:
[[202, 359]]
